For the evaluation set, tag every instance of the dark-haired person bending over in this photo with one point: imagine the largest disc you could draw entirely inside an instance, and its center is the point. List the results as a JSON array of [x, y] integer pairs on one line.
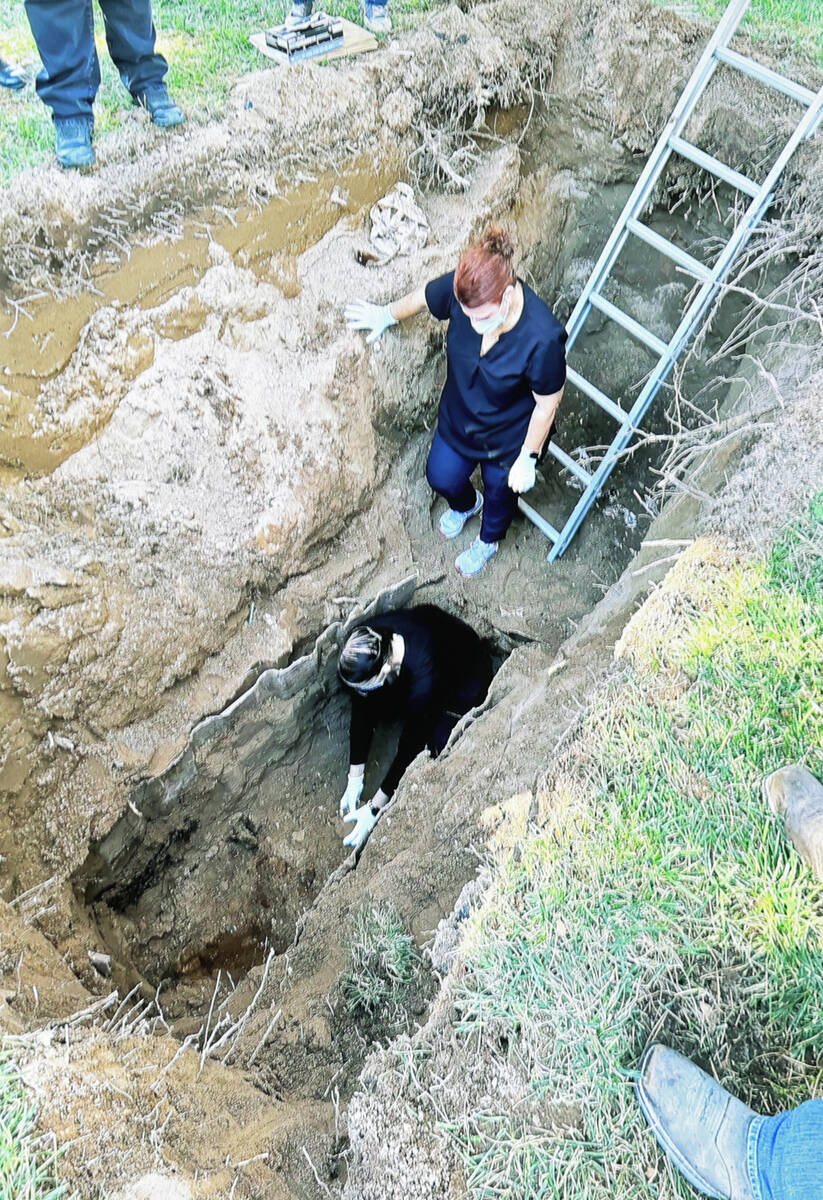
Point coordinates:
[[419, 664], [506, 372]]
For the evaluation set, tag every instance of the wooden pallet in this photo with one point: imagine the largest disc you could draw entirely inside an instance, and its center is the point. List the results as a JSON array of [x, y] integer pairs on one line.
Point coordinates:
[[356, 40]]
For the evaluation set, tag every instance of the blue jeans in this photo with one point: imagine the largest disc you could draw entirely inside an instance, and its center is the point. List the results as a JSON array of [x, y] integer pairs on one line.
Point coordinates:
[[786, 1154], [449, 472], [64, 33]]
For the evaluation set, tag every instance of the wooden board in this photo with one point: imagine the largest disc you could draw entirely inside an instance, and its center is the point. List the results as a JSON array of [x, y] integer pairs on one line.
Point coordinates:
[[356, 40]]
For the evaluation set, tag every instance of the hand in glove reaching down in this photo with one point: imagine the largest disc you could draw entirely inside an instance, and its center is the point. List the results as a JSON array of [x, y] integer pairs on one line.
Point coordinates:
[[364, 822], [353, 792], [522, 474], [375, 317]]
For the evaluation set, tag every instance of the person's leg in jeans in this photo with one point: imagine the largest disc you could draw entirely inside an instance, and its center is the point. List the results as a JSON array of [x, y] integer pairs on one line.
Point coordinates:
[[720, 1144], [449, 474], [64, 33], [499, 504], [787, 1153], [131, 36]]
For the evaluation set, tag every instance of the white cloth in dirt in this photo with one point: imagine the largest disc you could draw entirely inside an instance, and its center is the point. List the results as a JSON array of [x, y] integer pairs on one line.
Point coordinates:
[[398, 224]]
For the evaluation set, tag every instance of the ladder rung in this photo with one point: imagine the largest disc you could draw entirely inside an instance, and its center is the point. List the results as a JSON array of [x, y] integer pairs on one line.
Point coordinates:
[[687, 261], [542, 524], [569, 463], [770, 78], [595, 394], [629, 324], [714, 165]]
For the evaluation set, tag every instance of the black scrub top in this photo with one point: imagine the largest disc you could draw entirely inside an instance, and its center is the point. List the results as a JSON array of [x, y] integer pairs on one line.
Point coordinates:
[[487, 400]]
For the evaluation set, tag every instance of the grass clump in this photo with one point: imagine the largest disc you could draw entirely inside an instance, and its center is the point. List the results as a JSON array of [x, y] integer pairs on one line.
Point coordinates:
[[657, 899], [27, 1169], [384, 964]]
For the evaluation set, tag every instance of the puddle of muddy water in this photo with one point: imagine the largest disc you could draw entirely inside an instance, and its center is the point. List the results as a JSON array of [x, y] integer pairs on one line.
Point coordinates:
[[36, 347]]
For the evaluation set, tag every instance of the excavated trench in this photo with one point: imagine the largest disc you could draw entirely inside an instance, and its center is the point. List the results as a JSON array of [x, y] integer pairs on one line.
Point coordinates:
[[217, 859], [211, 480]]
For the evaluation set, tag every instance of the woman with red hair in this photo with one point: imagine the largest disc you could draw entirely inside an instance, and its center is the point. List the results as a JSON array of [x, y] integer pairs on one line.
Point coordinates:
[[506, 371]]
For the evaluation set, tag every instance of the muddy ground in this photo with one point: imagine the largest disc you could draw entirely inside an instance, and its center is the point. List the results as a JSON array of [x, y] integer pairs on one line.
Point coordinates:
[[206, 475]]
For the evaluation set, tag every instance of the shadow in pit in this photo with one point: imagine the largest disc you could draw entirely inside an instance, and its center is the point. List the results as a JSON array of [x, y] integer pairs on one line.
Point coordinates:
[[214, 862]]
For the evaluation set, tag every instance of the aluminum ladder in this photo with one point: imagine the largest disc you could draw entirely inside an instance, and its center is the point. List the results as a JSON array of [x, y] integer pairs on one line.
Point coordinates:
[[761, 196]]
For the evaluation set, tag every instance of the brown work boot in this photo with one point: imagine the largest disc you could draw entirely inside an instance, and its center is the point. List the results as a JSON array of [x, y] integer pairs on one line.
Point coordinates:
[[794, 794]]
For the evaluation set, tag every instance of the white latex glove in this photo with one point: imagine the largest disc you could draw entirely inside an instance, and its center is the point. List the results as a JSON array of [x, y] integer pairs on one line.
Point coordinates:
[[522, 472], [353, 792], [375, 317], [364, 822]]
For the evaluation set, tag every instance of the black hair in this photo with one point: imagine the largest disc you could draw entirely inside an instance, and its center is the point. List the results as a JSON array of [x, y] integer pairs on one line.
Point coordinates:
[[363, 654]]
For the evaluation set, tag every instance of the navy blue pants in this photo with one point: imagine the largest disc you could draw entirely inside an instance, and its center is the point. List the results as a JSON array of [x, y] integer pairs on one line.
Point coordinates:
[[64, 33], [449, 472]]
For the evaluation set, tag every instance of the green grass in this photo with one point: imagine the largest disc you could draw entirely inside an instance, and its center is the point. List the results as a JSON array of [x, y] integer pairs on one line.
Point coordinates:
[[27, 1167], [793, 25], [658, 899], [207, 48], [384, 964]]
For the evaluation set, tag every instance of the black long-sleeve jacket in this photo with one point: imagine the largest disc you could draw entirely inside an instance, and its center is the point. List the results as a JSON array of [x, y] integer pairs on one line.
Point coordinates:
[[442, 654]]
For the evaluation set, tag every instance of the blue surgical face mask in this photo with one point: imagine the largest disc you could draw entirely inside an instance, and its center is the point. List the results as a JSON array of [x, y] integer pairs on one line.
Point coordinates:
[[492, 324]]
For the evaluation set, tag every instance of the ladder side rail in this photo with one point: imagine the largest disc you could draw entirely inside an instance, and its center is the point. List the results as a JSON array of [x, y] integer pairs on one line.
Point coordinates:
[[610, 458], [745, 227], [607, 464], [658, 158], [648, 393]]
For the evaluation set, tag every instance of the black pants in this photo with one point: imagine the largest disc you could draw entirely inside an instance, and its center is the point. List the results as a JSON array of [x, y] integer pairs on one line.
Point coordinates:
[[471, 693], [64, 33]]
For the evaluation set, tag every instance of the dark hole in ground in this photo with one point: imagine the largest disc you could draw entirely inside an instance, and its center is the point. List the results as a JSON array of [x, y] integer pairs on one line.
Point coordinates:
[[222, 873]]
